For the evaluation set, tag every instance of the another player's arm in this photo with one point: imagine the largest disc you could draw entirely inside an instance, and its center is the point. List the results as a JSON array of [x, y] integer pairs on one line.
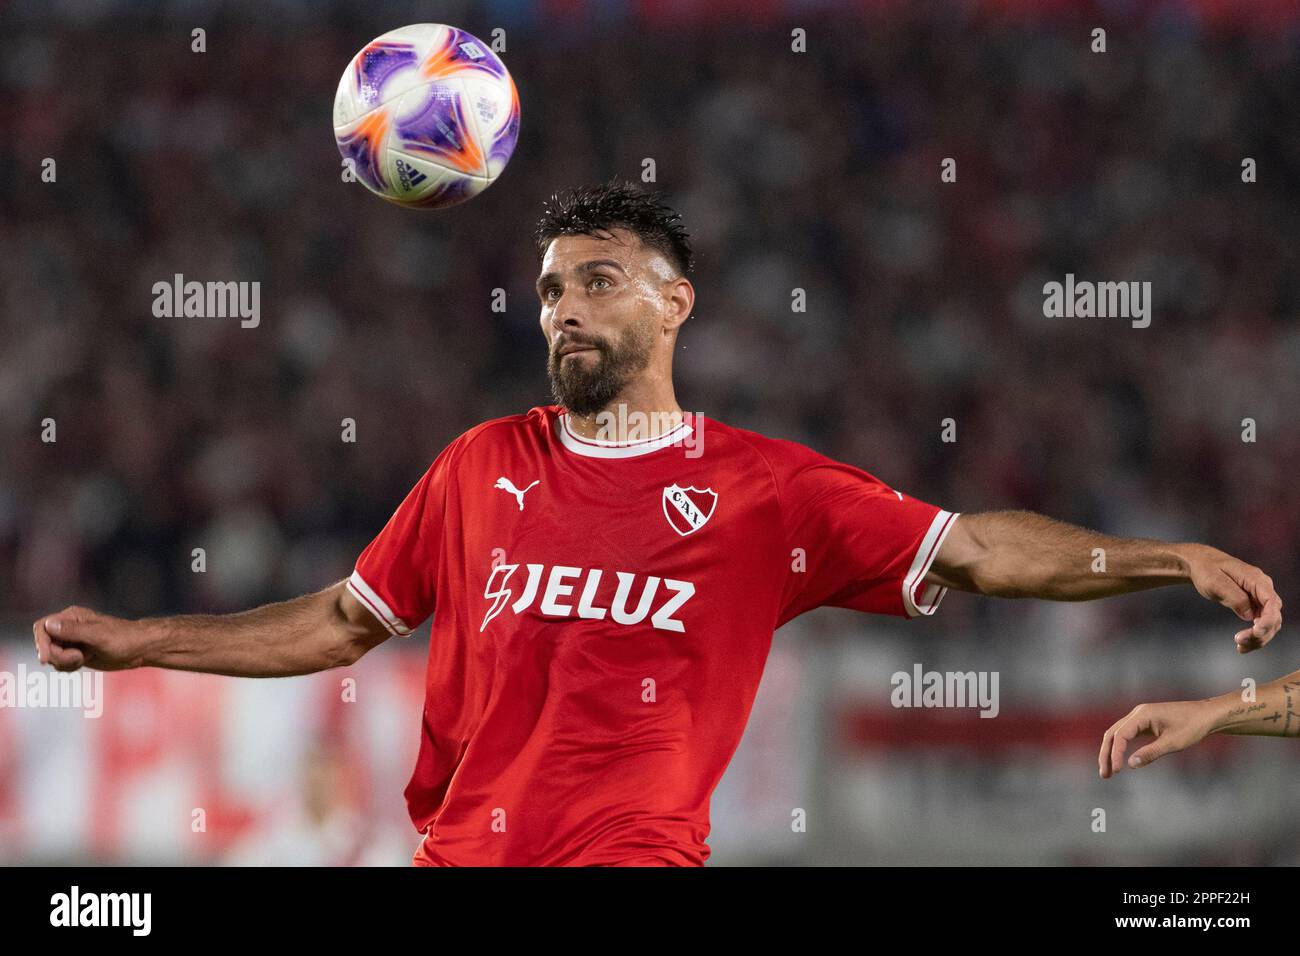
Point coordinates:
[[330, 628], [1018, 554], [1176, 725]]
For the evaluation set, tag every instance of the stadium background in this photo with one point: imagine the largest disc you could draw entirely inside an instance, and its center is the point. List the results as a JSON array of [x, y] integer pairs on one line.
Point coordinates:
[[815, 170]]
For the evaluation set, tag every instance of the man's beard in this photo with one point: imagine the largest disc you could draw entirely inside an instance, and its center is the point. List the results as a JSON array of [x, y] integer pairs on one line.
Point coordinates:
[[585, 388]]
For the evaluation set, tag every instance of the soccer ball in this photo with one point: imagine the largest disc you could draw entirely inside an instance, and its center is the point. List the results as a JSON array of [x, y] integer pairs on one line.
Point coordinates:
[[427, 114]]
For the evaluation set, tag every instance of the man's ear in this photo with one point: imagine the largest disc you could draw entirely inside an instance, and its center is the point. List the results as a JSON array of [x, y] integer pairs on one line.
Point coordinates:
[[681, 300]]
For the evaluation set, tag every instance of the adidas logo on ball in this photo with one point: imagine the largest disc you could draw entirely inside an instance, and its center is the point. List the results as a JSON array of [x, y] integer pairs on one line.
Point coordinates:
[[409, 176]]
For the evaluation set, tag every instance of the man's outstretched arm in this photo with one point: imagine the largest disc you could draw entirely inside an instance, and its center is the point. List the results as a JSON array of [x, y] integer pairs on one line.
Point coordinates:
[[1021, 554], [1176, 725], [327, 629]]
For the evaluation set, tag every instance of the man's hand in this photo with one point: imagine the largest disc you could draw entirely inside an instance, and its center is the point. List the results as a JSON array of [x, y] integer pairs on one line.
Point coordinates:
[[1175, 726], [1242, 588], [79, 637]]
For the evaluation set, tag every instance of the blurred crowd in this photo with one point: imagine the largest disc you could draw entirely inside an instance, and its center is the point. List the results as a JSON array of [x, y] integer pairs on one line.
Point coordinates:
[[818, 171]]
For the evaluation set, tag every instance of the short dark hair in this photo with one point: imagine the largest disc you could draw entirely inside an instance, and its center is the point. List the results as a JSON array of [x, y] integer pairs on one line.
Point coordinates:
[[587, 210]]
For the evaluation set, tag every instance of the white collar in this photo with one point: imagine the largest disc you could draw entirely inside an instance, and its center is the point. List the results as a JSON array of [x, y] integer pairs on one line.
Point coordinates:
[[599, 448]]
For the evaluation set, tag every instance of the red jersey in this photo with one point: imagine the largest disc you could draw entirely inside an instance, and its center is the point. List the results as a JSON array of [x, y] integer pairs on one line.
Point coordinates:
[[601, 616]]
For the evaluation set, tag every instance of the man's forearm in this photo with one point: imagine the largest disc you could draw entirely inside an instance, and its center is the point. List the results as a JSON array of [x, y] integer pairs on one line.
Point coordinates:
[[1275, 711], [1021, 554], [276, 640], [1030, 555]]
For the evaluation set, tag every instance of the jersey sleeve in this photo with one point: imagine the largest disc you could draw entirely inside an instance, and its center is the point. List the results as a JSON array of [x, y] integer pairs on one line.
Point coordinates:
[[854, 542], [394, 576]]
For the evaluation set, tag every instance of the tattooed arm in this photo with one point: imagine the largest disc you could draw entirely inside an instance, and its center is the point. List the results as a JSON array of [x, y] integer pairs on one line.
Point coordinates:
[[1176, 725], [1275, 712]]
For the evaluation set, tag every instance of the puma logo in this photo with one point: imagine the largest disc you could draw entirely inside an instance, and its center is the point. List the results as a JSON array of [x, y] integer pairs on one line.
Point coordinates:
[[506, 485]]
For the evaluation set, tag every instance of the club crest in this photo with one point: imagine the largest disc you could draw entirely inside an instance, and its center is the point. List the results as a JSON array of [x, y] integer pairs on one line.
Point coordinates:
[[688, 509]]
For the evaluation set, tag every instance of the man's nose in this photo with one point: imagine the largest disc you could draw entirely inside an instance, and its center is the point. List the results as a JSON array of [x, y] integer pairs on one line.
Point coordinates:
[[567, 314]]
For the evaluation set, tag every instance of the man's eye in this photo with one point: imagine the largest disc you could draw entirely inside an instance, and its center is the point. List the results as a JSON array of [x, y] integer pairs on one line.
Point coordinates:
[[549, 293], [604, 282]]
